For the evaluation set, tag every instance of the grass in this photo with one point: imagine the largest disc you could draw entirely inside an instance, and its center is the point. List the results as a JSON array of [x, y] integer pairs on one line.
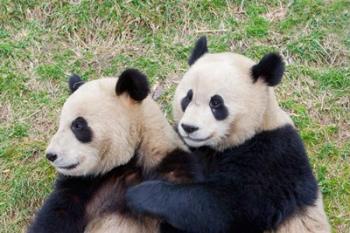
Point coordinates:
[[43, 41]]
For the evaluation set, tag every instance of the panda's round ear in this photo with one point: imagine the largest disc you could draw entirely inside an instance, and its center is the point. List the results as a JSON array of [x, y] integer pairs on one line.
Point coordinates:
[[74, 82], [134, 83], [199, 50], [270, 68]]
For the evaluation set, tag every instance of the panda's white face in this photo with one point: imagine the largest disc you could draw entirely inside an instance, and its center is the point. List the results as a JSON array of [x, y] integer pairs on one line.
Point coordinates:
[[226, 98], [214, 95], [95, 131]]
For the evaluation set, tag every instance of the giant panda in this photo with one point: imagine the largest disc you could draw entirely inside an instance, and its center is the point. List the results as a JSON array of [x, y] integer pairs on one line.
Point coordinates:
[[111, 135], [257, 176]]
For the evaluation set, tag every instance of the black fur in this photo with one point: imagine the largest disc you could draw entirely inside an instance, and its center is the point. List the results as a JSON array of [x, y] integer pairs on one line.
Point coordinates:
[[81, 130], [199, 50], [249, 188], [74, 82], [218, 107], [270, 68], [167, 228], [65, 209], [186, 100], [134, 83]]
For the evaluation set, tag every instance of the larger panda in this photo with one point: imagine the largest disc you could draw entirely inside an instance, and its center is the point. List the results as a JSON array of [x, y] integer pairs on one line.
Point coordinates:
[[111, 135], [257, 174]]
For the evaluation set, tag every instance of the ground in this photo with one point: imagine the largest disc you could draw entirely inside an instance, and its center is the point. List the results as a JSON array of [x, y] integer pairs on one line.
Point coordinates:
[[41, 42]]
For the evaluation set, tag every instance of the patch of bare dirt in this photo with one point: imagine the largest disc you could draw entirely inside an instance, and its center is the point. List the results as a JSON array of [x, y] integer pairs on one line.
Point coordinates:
[[5, 113]]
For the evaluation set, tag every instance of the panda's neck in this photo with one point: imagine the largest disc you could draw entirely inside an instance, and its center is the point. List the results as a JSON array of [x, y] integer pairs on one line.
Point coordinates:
[[157, 137], [274, 117], [268, 118]]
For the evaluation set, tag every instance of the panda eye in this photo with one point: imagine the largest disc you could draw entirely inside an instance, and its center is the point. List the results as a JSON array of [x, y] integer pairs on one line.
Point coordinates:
[[189, 95], [186, 100], [78, 124], [216, 101], [81, 130]]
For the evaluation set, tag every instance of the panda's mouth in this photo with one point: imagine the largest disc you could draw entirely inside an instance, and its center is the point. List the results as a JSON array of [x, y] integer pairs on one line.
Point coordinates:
[[198, 139], [69, 167]]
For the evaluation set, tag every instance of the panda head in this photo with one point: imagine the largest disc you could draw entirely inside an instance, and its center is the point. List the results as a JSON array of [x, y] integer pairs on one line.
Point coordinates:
[[98, 124], [222, 99]]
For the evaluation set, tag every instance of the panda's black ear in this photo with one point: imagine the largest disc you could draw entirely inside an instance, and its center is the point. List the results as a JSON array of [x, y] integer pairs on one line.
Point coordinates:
[[199, 49], [270, 68], [74, 82], [134, 83]]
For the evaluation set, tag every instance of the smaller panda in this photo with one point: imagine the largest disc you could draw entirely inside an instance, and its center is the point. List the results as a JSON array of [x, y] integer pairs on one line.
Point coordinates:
[[257, 176], [111, 135]]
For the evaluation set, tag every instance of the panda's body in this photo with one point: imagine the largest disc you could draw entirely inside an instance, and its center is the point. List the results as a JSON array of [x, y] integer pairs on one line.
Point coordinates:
[[238, 192], [240, 178], [72, 196], [257, 176], [112, 135]]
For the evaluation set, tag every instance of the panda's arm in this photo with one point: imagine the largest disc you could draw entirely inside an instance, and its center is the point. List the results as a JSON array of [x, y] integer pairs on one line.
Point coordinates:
[[61, 213], [190, 207], [208, 207]]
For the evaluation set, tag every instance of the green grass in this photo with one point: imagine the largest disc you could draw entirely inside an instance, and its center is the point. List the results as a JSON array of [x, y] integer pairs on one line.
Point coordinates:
[[42, 42]]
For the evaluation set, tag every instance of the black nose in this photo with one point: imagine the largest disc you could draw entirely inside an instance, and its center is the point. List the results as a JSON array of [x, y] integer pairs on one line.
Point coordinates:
[[51, 157], [189, 128]]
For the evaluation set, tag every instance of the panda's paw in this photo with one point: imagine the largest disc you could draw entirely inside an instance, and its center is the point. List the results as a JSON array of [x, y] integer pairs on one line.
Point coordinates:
[[146, 198]]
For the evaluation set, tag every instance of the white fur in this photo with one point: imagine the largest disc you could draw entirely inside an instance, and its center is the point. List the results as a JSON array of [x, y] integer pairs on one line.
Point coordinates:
[[116, 223]]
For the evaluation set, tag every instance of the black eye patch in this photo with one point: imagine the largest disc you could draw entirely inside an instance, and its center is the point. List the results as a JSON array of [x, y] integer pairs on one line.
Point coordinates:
[[186, 100], [81, 130], [218, 107]]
